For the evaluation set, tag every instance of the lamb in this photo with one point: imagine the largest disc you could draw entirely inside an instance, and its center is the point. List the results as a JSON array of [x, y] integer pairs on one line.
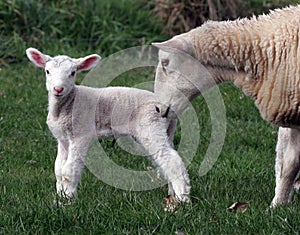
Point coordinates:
[[79, 114], [259, 55]]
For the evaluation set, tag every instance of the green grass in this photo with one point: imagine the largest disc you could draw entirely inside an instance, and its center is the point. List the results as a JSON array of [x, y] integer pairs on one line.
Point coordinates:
[[243, 172], [101, 26]]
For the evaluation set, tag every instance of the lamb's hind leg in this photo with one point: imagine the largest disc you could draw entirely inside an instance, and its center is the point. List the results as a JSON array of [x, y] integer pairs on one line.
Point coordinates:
[[287, 164], [153, 136], [173, 169], [171, 132]]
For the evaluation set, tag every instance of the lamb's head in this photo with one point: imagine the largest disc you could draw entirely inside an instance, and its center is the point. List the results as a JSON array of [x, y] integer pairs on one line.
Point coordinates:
[[179, 76], [61, 70]]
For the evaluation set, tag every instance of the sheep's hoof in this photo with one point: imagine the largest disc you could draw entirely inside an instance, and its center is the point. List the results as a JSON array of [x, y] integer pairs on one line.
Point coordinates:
[[170, 203], [297, 186]]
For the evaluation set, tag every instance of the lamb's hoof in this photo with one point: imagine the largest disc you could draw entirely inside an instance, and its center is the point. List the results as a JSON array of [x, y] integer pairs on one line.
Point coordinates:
[[184, 198], [171, 203], [273, 204]]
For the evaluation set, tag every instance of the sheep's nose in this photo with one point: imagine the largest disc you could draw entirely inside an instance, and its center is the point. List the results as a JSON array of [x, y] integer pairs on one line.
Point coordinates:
[[58, 90]]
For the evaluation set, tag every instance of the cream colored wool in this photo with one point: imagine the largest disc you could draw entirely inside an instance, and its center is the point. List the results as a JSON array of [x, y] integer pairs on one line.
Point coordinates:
[[267, 50], [259, 55]]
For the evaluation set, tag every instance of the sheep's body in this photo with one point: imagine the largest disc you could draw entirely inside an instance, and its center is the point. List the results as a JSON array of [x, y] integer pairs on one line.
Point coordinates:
[[260, 56], [78, 114], [266, 50]]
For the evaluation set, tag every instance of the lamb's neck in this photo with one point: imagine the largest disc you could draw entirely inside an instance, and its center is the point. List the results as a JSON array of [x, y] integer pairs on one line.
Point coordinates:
[[57, 105]]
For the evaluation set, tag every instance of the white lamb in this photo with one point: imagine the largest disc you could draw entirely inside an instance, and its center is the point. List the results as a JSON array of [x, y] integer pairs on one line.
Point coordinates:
[[259, 55], [78, 114]]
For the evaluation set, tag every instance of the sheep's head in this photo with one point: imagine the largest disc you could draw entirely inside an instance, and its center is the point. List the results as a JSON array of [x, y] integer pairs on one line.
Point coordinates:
[[180, 76], [176, 75], [61, 70]]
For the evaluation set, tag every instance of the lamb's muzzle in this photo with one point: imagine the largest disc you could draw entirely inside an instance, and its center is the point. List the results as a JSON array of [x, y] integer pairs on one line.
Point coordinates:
[[58, 90]]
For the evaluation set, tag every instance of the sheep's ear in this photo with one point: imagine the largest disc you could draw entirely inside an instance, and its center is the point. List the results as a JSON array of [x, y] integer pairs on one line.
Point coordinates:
[[175, 44], [88, 62], [37, 57]]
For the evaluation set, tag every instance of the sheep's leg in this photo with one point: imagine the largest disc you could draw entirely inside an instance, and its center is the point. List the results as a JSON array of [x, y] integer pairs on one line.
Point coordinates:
[[73, 167], [287, 165], [281, 148], [62, 155]]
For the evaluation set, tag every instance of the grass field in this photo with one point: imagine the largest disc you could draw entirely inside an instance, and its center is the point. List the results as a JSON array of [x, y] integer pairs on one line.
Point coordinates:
[[243, 172]]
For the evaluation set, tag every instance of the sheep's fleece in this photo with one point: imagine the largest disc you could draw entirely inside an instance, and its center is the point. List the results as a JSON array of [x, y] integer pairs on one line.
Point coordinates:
[[259, 55], [78, 114]]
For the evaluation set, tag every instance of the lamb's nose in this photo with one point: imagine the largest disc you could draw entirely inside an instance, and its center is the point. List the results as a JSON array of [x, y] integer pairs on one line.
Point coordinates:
[[58, 90]]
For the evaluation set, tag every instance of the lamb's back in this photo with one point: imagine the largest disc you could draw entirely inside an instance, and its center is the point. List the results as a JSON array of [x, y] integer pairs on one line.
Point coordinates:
[[116, 108]]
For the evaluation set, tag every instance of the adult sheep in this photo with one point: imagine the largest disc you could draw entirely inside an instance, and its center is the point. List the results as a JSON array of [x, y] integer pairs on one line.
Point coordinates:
[[259, 55]]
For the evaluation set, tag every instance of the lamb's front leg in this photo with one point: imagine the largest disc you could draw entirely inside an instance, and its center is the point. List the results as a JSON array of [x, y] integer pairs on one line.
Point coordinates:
[[73, 167], [62, 155], [287, 164]]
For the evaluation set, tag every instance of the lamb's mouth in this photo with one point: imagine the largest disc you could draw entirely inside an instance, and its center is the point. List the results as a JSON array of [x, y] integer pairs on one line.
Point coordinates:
[[58, 95]]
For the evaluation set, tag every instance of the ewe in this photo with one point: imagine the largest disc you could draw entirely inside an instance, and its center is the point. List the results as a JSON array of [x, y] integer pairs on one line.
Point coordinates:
[[259, 55], [78, 114]]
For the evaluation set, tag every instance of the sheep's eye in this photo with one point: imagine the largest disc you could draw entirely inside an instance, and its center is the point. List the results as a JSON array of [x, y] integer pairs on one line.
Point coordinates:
[[165, 62], [47, 71], [73, 73]]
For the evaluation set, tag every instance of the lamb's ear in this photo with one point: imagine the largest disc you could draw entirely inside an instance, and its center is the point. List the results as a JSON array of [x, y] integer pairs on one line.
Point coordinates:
[[175, 44], [88, 62], [37, 57]]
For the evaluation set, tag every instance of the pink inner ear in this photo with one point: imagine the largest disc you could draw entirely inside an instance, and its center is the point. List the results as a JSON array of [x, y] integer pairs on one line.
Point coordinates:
[[88, 63], [37, 58]]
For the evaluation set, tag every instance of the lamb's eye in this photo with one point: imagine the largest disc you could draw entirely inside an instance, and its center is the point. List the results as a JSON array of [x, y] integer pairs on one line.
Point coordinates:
[[73, 73], [47, 71]]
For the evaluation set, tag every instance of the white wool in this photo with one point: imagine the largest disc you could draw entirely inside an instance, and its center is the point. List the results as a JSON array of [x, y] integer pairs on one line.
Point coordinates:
[[78, 114]]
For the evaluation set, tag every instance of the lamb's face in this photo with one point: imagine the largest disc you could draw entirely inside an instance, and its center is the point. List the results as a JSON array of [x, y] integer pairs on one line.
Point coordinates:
[[60, 75], [61, 70]]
